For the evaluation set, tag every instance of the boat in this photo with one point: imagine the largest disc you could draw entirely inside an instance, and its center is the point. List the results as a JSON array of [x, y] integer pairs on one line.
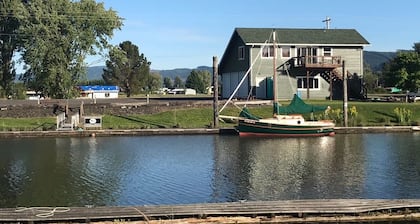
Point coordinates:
[[287, 121]]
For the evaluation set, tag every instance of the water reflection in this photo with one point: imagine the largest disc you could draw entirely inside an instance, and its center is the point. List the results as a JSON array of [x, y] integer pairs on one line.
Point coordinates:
[[290, 168], [195, 169]]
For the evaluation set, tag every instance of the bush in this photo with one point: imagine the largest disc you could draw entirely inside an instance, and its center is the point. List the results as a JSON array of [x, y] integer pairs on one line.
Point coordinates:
[[403, 115]]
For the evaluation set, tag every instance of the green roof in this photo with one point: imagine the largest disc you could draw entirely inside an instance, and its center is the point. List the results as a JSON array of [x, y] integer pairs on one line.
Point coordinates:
[[303, 36]]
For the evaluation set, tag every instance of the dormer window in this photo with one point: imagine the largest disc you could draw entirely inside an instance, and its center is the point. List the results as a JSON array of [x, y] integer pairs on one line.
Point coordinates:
[[241, 53]]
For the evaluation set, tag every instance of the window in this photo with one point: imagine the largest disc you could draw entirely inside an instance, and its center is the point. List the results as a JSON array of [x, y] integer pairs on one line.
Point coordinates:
[[285, 52], [327, 51], [267, 52], [241, 53], [313, 83]]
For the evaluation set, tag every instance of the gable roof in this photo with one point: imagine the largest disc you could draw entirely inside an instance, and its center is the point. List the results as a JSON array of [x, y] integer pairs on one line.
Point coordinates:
[[303, 36]]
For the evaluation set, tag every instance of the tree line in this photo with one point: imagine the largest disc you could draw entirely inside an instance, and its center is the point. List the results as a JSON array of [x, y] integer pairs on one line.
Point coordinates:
[[52, 40], [130, 70], [402, 72]]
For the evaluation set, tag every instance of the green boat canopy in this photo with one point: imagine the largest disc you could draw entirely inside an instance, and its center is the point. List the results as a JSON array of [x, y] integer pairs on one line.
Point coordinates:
[[246, 114], [297, 106]]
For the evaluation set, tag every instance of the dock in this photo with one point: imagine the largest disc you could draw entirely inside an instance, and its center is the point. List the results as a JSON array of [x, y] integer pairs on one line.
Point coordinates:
[[290, 211]]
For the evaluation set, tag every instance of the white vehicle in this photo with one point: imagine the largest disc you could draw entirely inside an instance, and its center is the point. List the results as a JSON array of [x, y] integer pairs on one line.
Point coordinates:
[[413, 97]]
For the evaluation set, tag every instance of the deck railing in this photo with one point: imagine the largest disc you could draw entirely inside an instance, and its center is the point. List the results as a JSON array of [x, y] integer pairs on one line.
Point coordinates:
[[318, 61]]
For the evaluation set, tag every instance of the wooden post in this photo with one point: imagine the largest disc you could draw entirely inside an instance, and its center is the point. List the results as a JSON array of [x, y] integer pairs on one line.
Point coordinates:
[[331, 85], [345, 97], [274, 68], [307, 84], [215, 94]]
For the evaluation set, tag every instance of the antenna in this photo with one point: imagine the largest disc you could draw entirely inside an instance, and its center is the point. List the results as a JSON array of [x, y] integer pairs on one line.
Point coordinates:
[[327, 21]]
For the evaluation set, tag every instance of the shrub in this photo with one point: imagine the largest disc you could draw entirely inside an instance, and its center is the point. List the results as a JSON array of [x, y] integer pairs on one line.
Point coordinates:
[[403, 115]]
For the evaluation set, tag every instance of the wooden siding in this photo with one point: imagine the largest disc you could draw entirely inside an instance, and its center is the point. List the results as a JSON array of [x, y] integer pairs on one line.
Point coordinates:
[[229, 83], [230, 61], [353, 58]]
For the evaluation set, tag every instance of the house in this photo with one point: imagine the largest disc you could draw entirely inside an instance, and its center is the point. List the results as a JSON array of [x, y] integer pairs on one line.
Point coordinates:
[[308, 62], [99, 92]]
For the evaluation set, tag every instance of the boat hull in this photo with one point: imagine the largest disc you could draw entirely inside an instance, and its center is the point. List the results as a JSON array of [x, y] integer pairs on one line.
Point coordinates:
[[257, 128]]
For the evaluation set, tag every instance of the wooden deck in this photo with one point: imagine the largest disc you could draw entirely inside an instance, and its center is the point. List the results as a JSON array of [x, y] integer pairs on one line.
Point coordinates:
[[268, 210]]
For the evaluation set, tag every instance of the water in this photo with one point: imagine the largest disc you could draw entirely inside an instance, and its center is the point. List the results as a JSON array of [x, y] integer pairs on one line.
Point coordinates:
[[206, 168]]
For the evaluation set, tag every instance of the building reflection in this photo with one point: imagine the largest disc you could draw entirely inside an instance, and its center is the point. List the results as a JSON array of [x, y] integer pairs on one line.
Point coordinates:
[[288, 168]]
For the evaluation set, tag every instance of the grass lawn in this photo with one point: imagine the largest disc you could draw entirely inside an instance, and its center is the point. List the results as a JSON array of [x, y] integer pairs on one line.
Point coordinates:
[[363, 114]]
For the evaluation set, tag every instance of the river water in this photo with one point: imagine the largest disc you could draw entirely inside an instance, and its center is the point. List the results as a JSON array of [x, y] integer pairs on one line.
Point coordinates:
[[141, 170]]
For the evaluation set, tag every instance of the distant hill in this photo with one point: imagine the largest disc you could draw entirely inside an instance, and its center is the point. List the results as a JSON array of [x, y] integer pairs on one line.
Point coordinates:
[[376, 59], [95, 73], [373, 58]]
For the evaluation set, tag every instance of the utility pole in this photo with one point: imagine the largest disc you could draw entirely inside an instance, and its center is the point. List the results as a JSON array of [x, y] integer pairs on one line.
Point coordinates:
[[345, 97], [215, 94]]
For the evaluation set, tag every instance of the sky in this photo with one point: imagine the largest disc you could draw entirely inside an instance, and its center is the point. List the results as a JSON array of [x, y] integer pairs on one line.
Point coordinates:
[[188, 33]]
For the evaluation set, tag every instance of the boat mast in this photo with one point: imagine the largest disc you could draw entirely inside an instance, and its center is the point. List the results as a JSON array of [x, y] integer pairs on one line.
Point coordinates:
[[274, 67]]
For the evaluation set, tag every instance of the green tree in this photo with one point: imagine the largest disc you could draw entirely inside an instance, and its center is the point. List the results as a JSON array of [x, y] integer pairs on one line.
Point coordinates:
[[370, 78], [167, 82], [198, 80], [127, 69], [58, 36], [178, 83], [10, 13], [154, 82], [404, 70]]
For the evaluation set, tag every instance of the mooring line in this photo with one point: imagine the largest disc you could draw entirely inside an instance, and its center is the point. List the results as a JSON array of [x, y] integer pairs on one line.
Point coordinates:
[[43, 212]]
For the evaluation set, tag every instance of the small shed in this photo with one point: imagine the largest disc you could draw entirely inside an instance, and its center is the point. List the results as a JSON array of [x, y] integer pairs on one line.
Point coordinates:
[[99, 92]]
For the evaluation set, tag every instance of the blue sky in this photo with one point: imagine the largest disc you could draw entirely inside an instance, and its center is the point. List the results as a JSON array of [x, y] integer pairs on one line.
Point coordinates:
[[188, 33]]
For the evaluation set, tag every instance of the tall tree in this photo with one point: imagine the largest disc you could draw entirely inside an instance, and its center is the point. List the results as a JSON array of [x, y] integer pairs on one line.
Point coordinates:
[[198, 80], [404, 70], [127, 68], [370, 79], [11, 11], [59, 35], [167, 82], [154, 82], [178, 83]]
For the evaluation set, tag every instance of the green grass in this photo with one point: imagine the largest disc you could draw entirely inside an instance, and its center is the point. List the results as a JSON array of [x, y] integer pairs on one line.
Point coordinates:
[[368, 114], [27, 124]]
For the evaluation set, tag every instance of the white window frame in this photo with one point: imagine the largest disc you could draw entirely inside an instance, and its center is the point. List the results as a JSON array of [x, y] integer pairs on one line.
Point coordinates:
[[241, 53], [315, 82], [271, 51], [290, 51], [330, 51]]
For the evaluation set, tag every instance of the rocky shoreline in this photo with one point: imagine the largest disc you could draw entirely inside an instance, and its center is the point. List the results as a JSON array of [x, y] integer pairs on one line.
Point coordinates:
[[126, 106]]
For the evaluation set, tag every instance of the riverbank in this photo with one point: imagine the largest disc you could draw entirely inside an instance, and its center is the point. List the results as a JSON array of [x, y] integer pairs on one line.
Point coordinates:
[[186, 131]]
